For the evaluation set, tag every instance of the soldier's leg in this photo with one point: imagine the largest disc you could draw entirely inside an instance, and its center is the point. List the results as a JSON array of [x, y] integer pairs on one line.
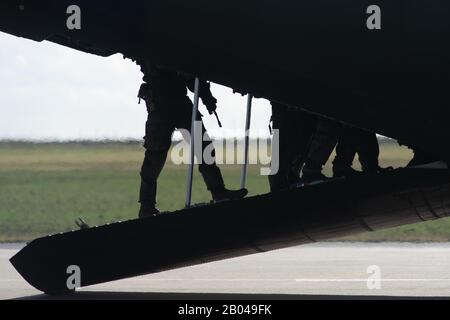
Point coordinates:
[[369, 151], [157, 144], [322, 145], [213, 176], [304, 126], [346, 149], [210, 172], [280, 121], [151, 168]]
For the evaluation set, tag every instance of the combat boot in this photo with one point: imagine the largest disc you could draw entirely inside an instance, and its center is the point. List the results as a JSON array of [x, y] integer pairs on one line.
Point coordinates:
[[147, 199], [226, 195], [148, 211], [309, 178], [345, 173]]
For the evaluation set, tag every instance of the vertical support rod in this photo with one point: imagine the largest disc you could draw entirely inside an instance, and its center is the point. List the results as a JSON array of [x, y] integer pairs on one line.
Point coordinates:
[[247, 141], [192, 154]]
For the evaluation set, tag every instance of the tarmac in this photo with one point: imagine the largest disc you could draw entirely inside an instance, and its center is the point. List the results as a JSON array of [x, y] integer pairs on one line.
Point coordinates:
[[319, 271]]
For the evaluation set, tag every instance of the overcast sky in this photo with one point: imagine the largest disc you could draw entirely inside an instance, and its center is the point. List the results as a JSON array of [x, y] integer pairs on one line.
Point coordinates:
[[49, 92]]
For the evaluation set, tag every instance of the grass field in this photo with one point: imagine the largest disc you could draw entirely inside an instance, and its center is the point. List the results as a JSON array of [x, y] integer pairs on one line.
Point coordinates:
[[45, 187]]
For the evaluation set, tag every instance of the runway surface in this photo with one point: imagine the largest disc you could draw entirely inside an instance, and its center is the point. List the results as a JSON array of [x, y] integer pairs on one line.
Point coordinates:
[[328, 270]]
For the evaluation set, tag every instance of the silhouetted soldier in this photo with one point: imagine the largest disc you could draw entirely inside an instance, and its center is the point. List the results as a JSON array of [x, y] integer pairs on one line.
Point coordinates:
[[354, 141], [169, 107], [322, 145], [295, 131]]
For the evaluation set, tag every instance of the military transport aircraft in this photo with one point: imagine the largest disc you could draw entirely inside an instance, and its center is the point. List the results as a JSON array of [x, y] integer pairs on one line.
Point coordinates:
[[383, 67]]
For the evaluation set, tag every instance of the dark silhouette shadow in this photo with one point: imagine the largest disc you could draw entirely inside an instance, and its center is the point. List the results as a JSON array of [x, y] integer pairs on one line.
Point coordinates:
[[99, 295]]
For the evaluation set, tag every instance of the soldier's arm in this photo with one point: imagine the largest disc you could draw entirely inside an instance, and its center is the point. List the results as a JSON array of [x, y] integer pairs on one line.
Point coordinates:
[[205, 94]]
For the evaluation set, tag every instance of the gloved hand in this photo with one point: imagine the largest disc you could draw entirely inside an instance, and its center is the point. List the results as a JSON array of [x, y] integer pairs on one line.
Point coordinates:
[[211, 105], [212, 108]]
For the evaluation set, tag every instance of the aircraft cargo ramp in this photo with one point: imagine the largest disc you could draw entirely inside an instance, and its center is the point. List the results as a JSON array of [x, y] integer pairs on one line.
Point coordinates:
[[230, 229]]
